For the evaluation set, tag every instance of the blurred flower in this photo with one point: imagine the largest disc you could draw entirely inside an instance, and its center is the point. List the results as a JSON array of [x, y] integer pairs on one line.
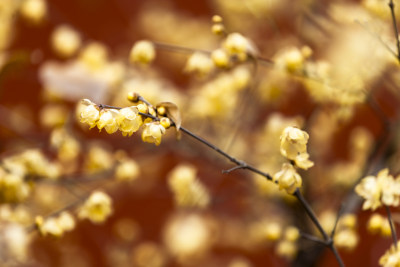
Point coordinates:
[[199, 63], [286, 249], [220, 58], [391, 258], [55, 226], [34, 11], [142, 52], [148, 254], [94, 56], [97, 207], [346, 238], [238, 45], [187, 236], [187, 188], [382, 189], [379, 224], [127, 170], [65, 41]]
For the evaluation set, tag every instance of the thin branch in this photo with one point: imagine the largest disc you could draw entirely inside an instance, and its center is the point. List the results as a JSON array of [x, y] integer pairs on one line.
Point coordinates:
[[232, 169], [311, 214], [339, 214], [313, 238], [392, 227], [373, 34], [395, 29]]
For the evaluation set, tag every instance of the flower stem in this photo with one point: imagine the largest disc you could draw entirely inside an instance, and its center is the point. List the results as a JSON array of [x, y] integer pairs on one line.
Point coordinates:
[[392, 228], [396, 31]]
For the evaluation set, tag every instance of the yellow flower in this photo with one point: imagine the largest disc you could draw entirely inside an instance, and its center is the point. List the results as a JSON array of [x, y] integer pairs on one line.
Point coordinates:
[[391, 258], [293, 142], [288, 178], [375, 223], [383, 189], [390, 188], [238, 45], [65, 41], [369, 189], [90, 113], [153, 132], [199, 63], [187, 188], [346, 238], [49, 226], [55, 226], [129, 120], [13, 188], [272, 231], [142, 52], [108, 120], [287, 249], [292, 234], [94, 56], [127, 170], [220, 58], [303, 162], [33, 10], [96, 208]]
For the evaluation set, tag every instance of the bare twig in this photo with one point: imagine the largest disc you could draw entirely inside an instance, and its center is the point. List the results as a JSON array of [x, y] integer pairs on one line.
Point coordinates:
[[395, 29], [392, 227]]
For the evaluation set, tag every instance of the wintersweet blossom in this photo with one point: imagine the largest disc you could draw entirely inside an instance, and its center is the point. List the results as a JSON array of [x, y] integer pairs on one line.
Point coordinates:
[[90, 113], [107, 120], [188, 190], [142, 52], [127, 170], [288, 178], [129, 120], [55, 226], [238, 45], [65, 41], [200, 63], [153, 132], [391, 258], [382, 189], [303, 162], [96, 208], [293, 142]]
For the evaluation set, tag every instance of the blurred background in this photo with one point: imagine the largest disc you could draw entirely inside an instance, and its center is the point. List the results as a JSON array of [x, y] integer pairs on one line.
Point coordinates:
[[324, 66]]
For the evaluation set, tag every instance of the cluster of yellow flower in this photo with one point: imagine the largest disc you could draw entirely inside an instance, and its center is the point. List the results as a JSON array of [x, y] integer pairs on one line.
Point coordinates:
[[379, 190], [127, 120], [15, 170], [391, 256], [97, 208], [55, 226], [346, 232], [276, 232], [293, 147], [377, 224]]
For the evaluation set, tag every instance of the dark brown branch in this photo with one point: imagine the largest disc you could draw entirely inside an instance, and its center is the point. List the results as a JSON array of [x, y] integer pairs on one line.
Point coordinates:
[[395, 29]]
